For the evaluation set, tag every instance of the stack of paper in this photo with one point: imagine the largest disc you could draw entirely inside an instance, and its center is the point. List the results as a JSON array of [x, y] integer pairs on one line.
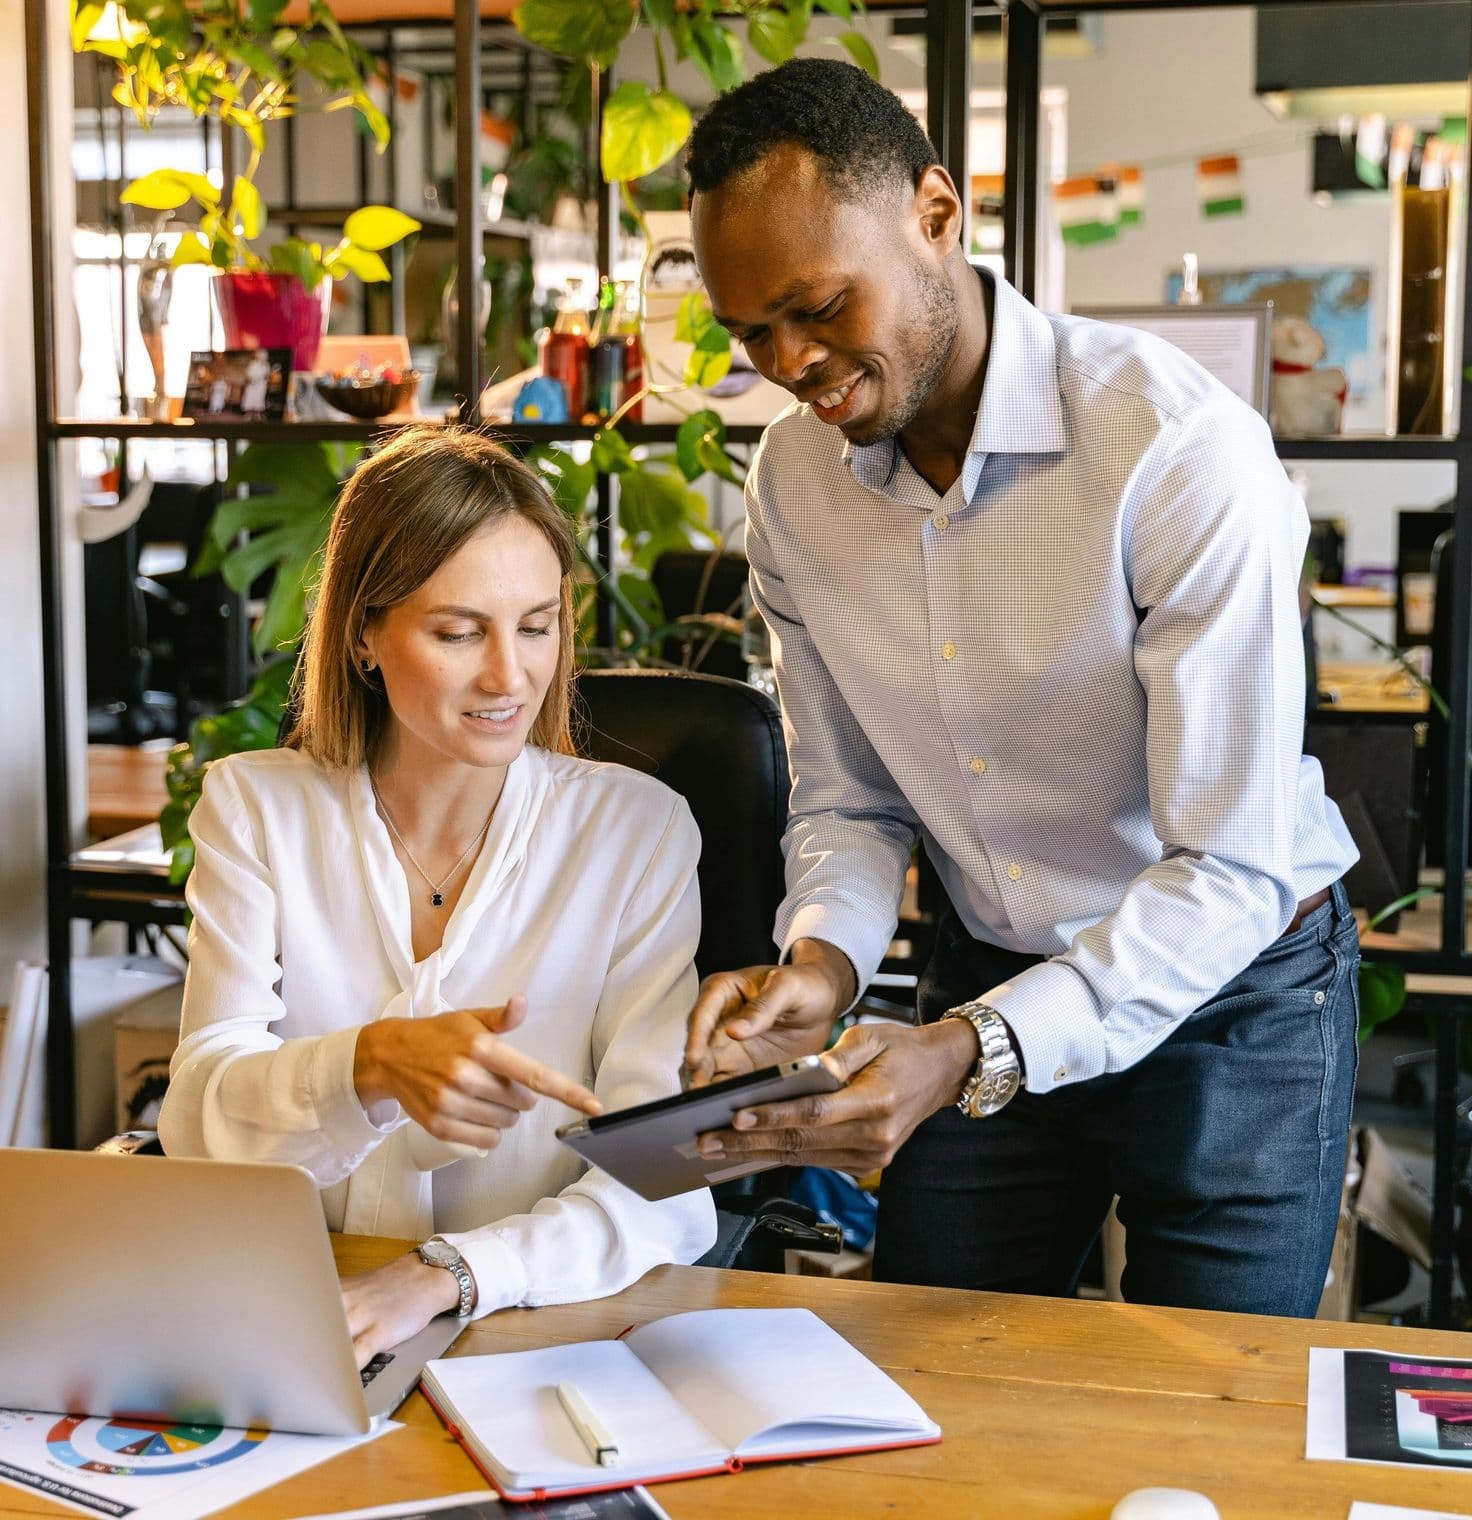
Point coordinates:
[[23, 1059]]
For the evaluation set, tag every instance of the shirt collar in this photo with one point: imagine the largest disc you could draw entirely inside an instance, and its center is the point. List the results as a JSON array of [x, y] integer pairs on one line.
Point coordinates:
[[1020, 411]]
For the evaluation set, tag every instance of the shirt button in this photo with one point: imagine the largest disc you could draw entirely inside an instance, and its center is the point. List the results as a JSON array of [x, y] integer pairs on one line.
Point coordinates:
[[978, 766], [1059, 1075], [1015, 871], [948, 650], [941, 521]]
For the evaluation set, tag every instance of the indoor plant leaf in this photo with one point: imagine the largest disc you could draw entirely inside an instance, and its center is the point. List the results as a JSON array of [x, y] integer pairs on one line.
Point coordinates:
[[363, 262], [716, 51], [693, 318], [611, 453], [774, 33], [700, 447], [587, 29], [861, 50], [246, 208], [378, 227], [192, 249], [1382, 994], [642, 129], [710, 359], [168, 189]]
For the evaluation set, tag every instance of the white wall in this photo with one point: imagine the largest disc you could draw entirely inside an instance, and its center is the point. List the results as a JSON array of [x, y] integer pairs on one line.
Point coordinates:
[[22, 760], [1176, 86]]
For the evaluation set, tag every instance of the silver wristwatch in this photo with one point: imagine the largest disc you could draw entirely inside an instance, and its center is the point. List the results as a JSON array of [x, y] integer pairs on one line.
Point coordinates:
[[440, 1253], [998, 1073]]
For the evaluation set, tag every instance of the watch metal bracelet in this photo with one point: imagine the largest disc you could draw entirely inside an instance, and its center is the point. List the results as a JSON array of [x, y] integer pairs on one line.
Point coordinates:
[[998, 1074], [438, 1252]]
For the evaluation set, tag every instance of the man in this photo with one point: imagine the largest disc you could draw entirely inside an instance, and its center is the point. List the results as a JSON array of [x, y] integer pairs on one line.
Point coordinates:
[[1031, 581]]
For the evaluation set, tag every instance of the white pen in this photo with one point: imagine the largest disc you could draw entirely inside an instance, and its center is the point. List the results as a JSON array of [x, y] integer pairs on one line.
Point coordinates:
[[594, 1433]]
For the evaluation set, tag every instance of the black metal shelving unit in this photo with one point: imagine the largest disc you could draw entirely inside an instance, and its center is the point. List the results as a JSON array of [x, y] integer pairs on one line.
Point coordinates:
[[947, 27], [1026, 24], [138, 897]]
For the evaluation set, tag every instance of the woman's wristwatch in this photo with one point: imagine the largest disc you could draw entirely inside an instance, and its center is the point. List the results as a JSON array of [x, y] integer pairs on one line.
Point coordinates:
[[998, 1074], [440, 1253]]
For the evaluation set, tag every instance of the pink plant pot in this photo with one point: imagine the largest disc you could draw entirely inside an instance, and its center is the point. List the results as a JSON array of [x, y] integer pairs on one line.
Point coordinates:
[[273, 311]]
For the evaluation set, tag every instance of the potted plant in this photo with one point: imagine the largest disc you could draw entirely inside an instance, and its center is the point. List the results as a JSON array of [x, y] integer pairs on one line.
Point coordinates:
[[278, 298], [242, 66]]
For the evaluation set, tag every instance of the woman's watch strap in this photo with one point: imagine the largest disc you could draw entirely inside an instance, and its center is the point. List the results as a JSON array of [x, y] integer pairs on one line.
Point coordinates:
[[437, 1252]]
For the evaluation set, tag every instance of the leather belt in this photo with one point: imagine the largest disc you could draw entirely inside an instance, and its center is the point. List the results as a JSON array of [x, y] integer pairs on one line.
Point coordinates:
[[1307, 906]]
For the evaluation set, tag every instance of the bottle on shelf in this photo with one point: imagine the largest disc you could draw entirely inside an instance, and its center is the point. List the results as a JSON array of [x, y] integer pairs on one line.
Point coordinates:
[[628, 331], [565, 348], [606, 357]]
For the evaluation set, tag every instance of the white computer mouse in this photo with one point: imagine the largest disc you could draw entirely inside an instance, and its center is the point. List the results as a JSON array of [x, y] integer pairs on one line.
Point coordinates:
[[1164, 1504]]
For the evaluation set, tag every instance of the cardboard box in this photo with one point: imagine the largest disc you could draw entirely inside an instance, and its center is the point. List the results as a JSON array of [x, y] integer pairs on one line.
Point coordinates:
[[144, 1036], [858, 1266]]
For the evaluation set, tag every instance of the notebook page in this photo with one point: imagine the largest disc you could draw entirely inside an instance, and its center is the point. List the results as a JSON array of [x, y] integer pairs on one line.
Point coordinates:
[[506, 1404], [753, 1372]]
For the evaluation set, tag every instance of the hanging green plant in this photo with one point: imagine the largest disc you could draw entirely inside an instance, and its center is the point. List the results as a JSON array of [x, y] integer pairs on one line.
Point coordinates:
[[226, 234], [236, 62]]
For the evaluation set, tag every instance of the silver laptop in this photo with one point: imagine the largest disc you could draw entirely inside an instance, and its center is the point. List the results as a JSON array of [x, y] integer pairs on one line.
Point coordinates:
[[198, 1290]]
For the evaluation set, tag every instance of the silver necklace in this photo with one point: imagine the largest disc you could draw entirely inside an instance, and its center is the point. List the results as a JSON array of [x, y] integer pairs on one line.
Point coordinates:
[[436, 889]]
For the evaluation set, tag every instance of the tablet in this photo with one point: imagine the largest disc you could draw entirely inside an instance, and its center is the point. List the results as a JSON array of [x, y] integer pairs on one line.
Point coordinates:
[[652, 1147]]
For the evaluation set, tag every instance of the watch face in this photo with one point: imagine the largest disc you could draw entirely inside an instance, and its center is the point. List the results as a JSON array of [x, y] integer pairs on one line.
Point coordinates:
[[439, 1253], [993, 1090]]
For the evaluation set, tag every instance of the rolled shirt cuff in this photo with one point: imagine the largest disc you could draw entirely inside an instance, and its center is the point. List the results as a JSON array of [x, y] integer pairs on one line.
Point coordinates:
[[335, 1101], [1054, 1026], [499, 1273]]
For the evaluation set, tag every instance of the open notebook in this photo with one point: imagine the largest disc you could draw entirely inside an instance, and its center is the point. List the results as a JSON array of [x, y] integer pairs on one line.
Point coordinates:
[[696, 1393]]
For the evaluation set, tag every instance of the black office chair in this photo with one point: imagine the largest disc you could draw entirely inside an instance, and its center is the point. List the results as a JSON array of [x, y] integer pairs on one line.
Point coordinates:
[[702, 581], [1443, 656], [718, 743]]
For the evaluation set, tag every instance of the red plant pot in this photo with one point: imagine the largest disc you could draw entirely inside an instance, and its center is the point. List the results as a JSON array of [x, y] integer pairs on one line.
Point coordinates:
[[272, 311]]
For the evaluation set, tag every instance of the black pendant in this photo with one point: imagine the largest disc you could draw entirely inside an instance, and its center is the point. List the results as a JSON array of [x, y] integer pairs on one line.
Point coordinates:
[[438, 900]]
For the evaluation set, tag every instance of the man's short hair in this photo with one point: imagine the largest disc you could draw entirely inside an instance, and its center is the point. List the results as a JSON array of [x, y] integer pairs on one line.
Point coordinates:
[[862, 135]]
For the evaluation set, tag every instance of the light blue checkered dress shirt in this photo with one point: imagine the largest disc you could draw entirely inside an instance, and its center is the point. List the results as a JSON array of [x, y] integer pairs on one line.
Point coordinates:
[[1078, 676]]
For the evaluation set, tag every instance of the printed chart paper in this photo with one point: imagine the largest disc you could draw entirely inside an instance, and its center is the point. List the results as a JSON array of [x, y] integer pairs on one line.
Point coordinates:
[[1390, 1407], [621, 1504], [152, 1470], [1359, 1510]]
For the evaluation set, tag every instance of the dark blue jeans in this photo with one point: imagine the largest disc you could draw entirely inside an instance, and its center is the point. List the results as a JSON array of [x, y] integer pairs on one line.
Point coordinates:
[[1225, 1145]]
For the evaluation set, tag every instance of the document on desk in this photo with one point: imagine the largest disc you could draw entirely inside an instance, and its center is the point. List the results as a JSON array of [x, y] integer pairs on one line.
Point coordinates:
[[152, 1470], [1390, 1407], [1359, 1510], [622, 1504], [684, 1396]]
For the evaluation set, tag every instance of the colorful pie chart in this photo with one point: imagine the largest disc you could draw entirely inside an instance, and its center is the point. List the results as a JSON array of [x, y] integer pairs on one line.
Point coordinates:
[[145, 1448]]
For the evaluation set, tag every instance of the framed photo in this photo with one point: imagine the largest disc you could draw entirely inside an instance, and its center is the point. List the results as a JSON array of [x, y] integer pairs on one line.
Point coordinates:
[[238, 385], [1232, 342]]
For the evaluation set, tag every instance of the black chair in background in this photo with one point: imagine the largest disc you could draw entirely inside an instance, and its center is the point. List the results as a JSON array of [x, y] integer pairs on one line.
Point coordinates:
[[1442, 659], [1376, 772], [702, 581], [718, 743], [157, 642], [1417, 534]]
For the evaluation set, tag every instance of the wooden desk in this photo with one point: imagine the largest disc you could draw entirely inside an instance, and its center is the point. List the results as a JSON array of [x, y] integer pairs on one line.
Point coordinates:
[[1051, 1409], [1370, 686], [125, 786]]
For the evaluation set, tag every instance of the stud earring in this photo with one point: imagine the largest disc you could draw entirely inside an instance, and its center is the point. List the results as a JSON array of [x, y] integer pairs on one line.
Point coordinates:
[[367, 665]]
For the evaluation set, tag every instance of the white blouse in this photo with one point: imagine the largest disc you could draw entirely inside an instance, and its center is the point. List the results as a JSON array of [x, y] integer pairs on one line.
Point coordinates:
[[583, 897]]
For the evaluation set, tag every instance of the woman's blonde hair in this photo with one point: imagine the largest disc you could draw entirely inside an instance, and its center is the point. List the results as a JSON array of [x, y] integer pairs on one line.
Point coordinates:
[[401, 515]]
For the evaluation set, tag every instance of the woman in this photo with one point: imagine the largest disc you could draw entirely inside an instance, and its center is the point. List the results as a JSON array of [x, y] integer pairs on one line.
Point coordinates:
[[424, 925]]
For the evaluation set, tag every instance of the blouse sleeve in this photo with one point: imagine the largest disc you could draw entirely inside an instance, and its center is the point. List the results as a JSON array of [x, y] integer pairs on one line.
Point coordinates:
[[597, 1236], [237, 1091]]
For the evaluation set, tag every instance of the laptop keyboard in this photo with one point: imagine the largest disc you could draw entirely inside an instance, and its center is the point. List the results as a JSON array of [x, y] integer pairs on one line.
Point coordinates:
[[376, 1366]]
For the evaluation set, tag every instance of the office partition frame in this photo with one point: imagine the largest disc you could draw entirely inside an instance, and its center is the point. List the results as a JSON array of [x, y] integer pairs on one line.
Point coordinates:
[[948, 72]]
